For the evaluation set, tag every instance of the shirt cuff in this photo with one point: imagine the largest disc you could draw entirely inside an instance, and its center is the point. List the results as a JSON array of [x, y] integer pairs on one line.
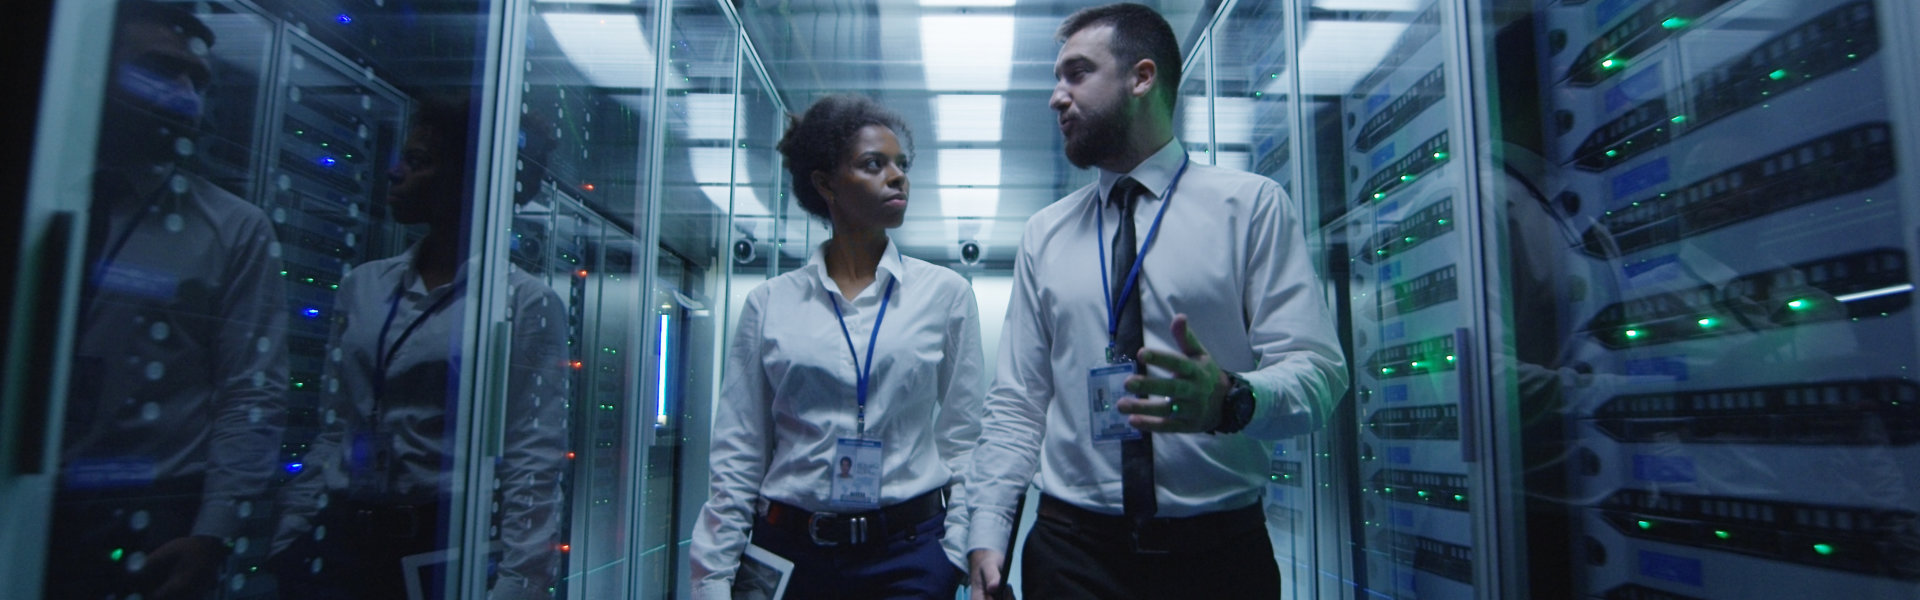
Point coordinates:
[[988, 532], [218, 518], [713, 590]]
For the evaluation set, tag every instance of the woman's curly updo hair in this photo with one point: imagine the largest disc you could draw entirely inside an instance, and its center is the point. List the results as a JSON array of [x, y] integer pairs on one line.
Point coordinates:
[[818, 141]]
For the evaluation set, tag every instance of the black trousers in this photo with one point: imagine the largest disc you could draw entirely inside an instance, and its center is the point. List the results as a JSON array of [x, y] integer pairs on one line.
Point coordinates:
[[1066, 560]]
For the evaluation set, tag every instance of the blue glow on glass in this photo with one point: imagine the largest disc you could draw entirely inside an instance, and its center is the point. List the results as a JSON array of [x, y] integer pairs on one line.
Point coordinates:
[[328, 161], [311, 313], [344, 18], [295, 467]]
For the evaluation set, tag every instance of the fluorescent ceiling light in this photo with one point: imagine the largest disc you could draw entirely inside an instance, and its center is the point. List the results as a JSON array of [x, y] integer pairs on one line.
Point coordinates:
[[1337, 54], [745, 202], [967, 52], [968, 117], [970, 202], [607, 48], [1369, 5], [711, 116], [966, 2], [1232, 120], [968, 166]]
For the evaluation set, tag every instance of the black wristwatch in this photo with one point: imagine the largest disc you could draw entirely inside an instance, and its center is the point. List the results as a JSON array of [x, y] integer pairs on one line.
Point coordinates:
[[1237, 410]]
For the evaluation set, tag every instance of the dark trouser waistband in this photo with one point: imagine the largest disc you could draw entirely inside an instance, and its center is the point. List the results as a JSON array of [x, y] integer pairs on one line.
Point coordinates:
[[832, 529], [1159, 534]]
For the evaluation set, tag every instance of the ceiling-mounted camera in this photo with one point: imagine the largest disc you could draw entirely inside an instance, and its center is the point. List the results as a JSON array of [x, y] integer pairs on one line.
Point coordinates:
[[743, 251], [969, 252]]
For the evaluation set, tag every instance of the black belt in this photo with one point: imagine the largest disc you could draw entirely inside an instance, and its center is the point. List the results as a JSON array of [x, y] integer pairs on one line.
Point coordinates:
[[1162, 534], [831, 529]]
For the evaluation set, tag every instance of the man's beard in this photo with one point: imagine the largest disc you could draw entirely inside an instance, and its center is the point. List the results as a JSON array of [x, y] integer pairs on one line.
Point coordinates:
[[1103, 135]]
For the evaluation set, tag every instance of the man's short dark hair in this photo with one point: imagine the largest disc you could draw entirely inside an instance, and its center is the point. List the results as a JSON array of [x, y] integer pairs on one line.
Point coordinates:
[[818, 141], [1138, 33], [171, 15]]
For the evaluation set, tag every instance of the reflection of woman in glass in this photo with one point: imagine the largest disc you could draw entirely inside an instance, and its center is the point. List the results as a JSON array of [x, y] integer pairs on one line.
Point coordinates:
[[381, 470], [793, 402]]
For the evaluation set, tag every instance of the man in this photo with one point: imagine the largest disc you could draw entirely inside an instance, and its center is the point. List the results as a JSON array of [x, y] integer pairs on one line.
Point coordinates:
[[176, 408], [1228, 310]]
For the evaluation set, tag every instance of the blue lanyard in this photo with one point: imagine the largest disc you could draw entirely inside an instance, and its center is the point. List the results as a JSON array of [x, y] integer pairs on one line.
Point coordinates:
[[1133, 275], [863, 375], [383, 352]]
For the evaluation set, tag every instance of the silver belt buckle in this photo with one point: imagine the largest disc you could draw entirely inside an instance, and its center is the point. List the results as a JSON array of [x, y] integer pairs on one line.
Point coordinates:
[[856, 529]]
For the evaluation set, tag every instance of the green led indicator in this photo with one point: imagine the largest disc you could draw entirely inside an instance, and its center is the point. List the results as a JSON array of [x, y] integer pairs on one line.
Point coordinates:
[[1799, 304], [334, 286], [1852, 55], [117, 554], [283, 273], [1449, 358], [1439, 156], [1633, 334], [1823, 549], [1646, 524], [1408, 239], [1459, 498], [1386, 490], [1612, 153], [1274, 76], [1416, 364], [1609, 63], [1778, 75], [1379, 195], [1258, 94], [1722, 534], [1386, 370], [1422, 493], [1406, 178], [1441, 222], [1708, 323], [1678, 119], [1675, 23], [1381, 252], [299, 384]]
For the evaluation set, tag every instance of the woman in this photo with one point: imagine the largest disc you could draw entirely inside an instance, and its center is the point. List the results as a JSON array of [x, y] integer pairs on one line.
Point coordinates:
[[373, 504], [863, 357]]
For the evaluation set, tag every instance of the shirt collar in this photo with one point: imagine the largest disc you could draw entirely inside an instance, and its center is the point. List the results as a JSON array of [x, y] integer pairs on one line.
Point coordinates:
[[1156, 172], [410, 278], [890, 265]]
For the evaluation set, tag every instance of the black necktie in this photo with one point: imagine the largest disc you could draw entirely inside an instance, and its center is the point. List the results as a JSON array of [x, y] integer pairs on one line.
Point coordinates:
[[1136, 456]]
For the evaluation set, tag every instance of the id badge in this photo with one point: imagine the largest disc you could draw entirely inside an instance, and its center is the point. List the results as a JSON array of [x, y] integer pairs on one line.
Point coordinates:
[[856, 473], [1105, 387]]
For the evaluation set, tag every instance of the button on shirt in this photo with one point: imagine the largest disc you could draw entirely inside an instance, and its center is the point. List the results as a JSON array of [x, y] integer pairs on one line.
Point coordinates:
[[1231, 255], [789, 396]]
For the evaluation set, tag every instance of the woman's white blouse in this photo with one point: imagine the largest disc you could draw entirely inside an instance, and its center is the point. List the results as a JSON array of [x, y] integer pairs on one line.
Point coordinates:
[[788, 396]]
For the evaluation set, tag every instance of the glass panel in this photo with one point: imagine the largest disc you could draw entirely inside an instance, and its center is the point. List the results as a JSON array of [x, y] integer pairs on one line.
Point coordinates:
[[1252, 122], [1386, 190], [698, 189], [1193, 114], [583, 130], [268, 379], [1708, 335]]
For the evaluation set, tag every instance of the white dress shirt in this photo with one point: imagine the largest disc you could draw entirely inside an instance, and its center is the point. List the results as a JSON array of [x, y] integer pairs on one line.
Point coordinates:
[[405, 407], [789, 396], [1231, 254], [180, 356]]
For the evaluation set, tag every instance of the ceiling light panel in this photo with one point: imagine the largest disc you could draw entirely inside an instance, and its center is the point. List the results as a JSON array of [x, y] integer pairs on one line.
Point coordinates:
[[968, 166], [968, 117], [607, 48], [711, 116], [967, 52], [1337, 54], [969, 202]]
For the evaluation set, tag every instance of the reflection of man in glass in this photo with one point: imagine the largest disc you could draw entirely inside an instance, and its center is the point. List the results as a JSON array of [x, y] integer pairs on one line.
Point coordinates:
[[846, 466], [175, 410], [376, 494]]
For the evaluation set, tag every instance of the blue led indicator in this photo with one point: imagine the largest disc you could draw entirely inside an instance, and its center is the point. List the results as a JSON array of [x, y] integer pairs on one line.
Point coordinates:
[[295, 467], [328, 161], [311, 312], [344, 18]]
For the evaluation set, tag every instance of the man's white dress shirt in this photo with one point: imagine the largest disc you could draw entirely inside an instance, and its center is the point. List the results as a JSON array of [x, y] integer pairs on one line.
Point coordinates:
[[1231, 254], [789, 395]]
